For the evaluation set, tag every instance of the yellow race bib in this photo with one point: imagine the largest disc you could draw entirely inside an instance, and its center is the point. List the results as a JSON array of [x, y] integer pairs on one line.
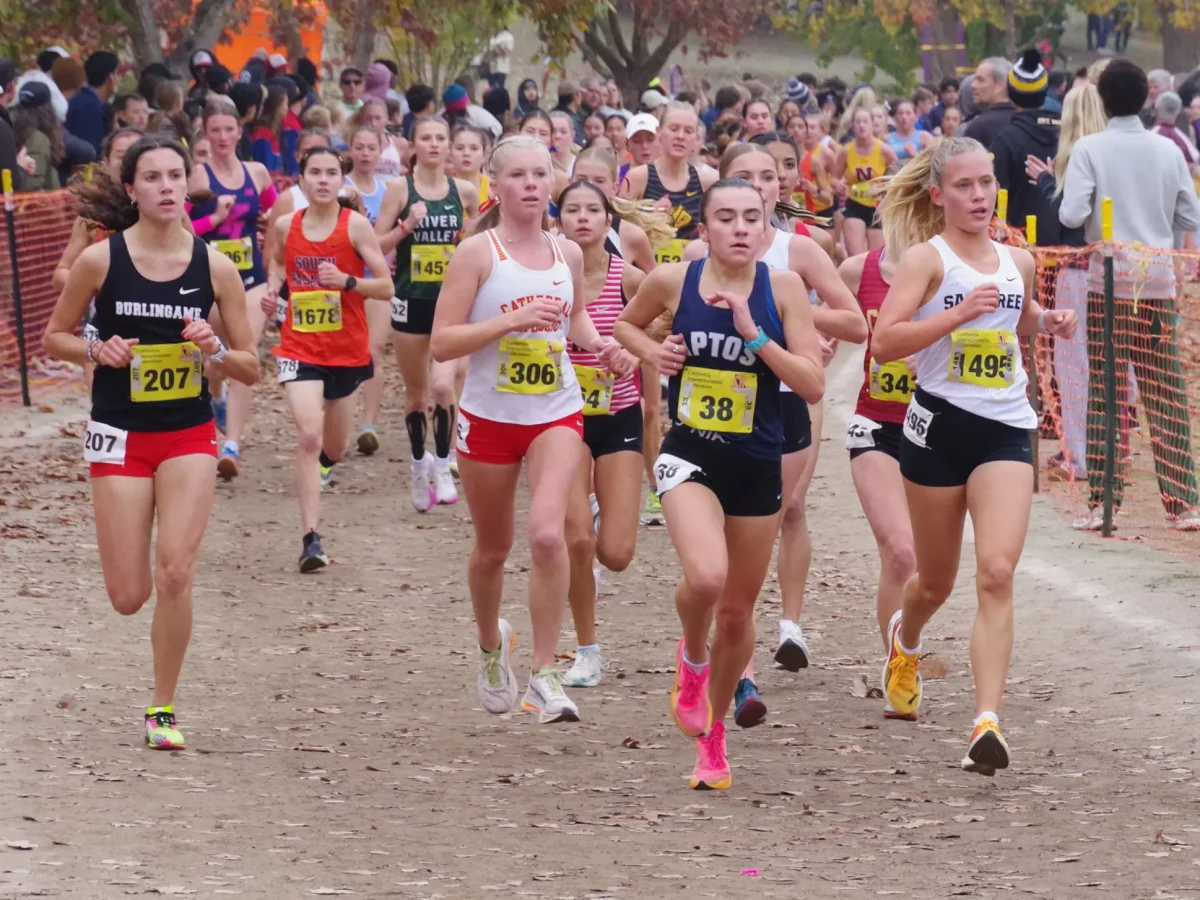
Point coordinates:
[[429, 261], [983, 357], [671, 252], [892, 382], [529, 366], [161, 372], [316, 311], [715, 400], [239, 251], [597, 387]]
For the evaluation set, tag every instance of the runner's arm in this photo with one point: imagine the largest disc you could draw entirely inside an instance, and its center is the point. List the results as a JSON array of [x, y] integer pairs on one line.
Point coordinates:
[[636, 247], [798, 366], [841, 317], [453, 336], [276, 264], [388, 226], [283, 206], [695, 250], [77, 244], [851, 272], [895, 335], [658, 293], [84, 279], [824, 191], [241, 358], [633, 187], [366, 244], [470, 198]]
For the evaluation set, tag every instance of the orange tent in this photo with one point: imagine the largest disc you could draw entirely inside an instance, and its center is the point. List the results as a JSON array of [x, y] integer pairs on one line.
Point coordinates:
[[235, 48]]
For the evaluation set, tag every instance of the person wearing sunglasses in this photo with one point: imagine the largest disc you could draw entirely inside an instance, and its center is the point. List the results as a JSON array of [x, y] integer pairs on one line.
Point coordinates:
[[351, 82]]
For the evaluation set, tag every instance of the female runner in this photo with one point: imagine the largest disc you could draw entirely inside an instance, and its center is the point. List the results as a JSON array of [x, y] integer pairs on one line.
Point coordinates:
[[840, 319], [236, 236], [324, 350], [719, 471], [635, 229], [906, 142], [468, 150], [422, 219], [859, 163], [508, 306], [539, 125], [958, 302], [150, 440], [611, 463], [373, 114]]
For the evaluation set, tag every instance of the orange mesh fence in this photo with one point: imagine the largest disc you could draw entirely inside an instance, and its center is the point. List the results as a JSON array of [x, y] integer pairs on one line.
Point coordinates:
[[43, 227], [1155, 350]]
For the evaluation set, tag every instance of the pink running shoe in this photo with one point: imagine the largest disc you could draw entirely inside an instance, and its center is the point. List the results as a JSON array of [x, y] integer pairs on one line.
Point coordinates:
[[689, 698], [712, 767]]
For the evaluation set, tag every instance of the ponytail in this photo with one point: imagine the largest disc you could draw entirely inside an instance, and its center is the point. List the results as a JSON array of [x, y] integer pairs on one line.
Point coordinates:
[[908, 212]]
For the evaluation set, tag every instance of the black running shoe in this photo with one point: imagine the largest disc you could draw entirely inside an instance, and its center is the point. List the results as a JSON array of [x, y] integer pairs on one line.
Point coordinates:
[[312, 557]]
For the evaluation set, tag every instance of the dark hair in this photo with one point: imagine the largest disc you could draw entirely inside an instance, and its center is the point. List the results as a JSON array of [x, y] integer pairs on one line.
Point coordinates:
[[587, 185], [686, 97], [1081, 72], [536, 114], [425, 120], [273, 110], [246, 97], [808, 78], [727, 97], [419, 96], [389, 65], [317, 151], [1123, 88], [753, 101], [122, 100], [948, 83], [107, 145], [106, 202], [393, 107], [314, 132], [726, 183], [498, 102], [99, 66], [485, 136], [168, 94], [26, 120], [1058, 79], [47, 58], [616, 116], [735, 152], [776, 137]]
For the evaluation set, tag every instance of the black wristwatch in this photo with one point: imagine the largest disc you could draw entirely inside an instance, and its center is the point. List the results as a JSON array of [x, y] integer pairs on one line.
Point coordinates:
[[351, 281]]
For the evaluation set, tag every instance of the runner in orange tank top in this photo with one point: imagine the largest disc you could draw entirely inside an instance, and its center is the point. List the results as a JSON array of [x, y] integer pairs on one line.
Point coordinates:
[[324, 350]]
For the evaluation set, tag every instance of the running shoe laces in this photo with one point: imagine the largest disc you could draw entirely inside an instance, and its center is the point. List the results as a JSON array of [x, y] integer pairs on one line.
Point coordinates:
[[552, 681], [902, 672], [493, 662], [162, 718]]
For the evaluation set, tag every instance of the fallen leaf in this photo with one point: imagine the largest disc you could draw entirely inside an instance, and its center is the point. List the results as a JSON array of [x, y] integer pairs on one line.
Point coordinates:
[[859, 688], [965, 819], [932, 667], [20, 845], [1065, 859]]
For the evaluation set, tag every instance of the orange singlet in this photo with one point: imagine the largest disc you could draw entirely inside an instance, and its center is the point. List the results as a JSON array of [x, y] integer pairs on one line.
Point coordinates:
[[323, 326]]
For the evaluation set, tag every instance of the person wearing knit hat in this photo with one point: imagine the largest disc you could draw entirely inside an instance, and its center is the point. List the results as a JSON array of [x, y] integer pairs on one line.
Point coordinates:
[[797, 92], [378, 79], [1033, 131]]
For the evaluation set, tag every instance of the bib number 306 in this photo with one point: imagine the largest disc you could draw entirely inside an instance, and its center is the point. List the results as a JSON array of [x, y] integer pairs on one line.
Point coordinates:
[[529, 366]]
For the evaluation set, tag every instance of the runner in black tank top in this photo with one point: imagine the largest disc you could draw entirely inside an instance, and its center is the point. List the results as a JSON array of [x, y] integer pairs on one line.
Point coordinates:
[[685, 204], [155, 286]]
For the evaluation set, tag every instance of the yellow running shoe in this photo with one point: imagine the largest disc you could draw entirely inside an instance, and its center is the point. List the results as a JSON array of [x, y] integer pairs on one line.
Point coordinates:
[[161, 733], [901, 677], [988, 751]]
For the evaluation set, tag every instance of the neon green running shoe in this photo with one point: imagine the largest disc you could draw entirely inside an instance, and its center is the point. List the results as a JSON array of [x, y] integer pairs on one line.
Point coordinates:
[[161, 733], [652, 513]]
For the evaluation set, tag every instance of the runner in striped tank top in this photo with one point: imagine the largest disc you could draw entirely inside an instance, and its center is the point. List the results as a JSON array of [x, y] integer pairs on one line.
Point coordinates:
[[606, 529]]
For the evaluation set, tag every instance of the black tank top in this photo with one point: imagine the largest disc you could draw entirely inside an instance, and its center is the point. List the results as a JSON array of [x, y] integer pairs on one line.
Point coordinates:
[[165, 388], [685, 204]]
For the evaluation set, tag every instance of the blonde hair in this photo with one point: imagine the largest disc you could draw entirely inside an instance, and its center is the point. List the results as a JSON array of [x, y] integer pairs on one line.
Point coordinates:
[[317, 118], [864, 99], [503, 149], [909, 214], [653, 220], [1082, 114], [350, 126]]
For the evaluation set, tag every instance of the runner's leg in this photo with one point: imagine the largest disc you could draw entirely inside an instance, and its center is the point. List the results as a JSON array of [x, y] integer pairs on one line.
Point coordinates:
[[491, 491], [307, 403], [581, 549], [241, 396], [881, 493], [379, 323], [618, 482]]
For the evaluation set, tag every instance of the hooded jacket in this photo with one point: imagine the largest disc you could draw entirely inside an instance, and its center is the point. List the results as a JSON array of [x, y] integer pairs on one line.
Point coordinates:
[[1032, 132]]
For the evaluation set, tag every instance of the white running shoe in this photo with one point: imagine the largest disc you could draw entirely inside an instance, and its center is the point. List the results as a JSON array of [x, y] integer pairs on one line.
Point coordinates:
[[547, 698], [792, 653], [585, 672], [595, 504], [1093, 520], [421, 489], [1188, 521], [444, 490], [497, 683]]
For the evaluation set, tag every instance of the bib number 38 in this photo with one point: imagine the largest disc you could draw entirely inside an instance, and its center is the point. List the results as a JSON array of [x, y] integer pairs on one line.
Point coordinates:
[[717, 400]]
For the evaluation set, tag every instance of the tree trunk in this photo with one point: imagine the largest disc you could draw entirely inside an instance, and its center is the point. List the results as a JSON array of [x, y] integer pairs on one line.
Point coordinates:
[[944, 59], [364, 35], [205, 27], [144, 34], [1181, 49], [1010, 29], [631, 65]]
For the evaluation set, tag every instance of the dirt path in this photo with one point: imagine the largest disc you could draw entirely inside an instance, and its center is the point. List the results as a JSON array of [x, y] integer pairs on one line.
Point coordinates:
[[335, 745]]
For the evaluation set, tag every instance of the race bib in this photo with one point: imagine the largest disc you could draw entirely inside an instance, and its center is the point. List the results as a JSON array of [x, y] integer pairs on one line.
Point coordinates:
[[529, 366], [861, 192], [597, 388], [280, 310], [161, 372], [984, 357], [314, 312], [429, 261], [916, 423], [462, 431], [715, 400], [104, 444], [892, 382], [671, 252], [286, 369], [400, 310], [860, 433], [671, 471], [239, 251]]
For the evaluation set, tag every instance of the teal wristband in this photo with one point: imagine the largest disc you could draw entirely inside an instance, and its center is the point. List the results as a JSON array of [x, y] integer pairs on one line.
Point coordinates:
[[757, 344]]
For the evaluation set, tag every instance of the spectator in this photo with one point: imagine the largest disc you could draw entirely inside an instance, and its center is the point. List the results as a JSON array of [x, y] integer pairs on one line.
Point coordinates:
[[152, 76], [1159, 81], [655, 103], [990, 91], [527, 98], [1168, 106], [952, 119], [1060, 83], [455, 102], [255, 70], [570, 101], [498, 105], [130, 111], [593, 96], [377, 81], [264, 133], [87, 111], [351, 82], [1032, 132], [923, 101], [499, 58], [614, 103], [1150, 209], [277, 66], [947, 97], [422, 103], [199, 65], [219, 79], [8, 141], [37, 129], [248, 100], [966, 100], [476, 115], [41, 72], [306, 70], [1192, 113], [68, 76], [392, 93]]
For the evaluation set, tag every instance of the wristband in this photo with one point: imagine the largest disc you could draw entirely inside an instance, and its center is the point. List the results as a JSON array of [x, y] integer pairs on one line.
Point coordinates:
[[1041, 326], [220, 354], [757, 344], [90, 356]]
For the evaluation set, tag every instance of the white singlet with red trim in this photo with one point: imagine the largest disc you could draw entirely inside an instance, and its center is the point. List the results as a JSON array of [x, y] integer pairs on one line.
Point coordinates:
[[509, 286], [604, 311]]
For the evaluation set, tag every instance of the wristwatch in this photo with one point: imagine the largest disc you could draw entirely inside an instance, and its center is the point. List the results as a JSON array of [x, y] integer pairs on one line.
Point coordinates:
[[220, 354], [351, 281]]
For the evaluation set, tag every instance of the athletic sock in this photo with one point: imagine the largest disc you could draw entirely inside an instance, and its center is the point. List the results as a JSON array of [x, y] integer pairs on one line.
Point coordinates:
[[415, 423], [587, 648], [987, 714], [441, 430], [326, 462], [698, 668], [231, 446]]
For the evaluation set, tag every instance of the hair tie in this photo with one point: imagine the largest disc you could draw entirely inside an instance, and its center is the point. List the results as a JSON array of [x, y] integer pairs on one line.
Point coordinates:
[[488, 204]]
